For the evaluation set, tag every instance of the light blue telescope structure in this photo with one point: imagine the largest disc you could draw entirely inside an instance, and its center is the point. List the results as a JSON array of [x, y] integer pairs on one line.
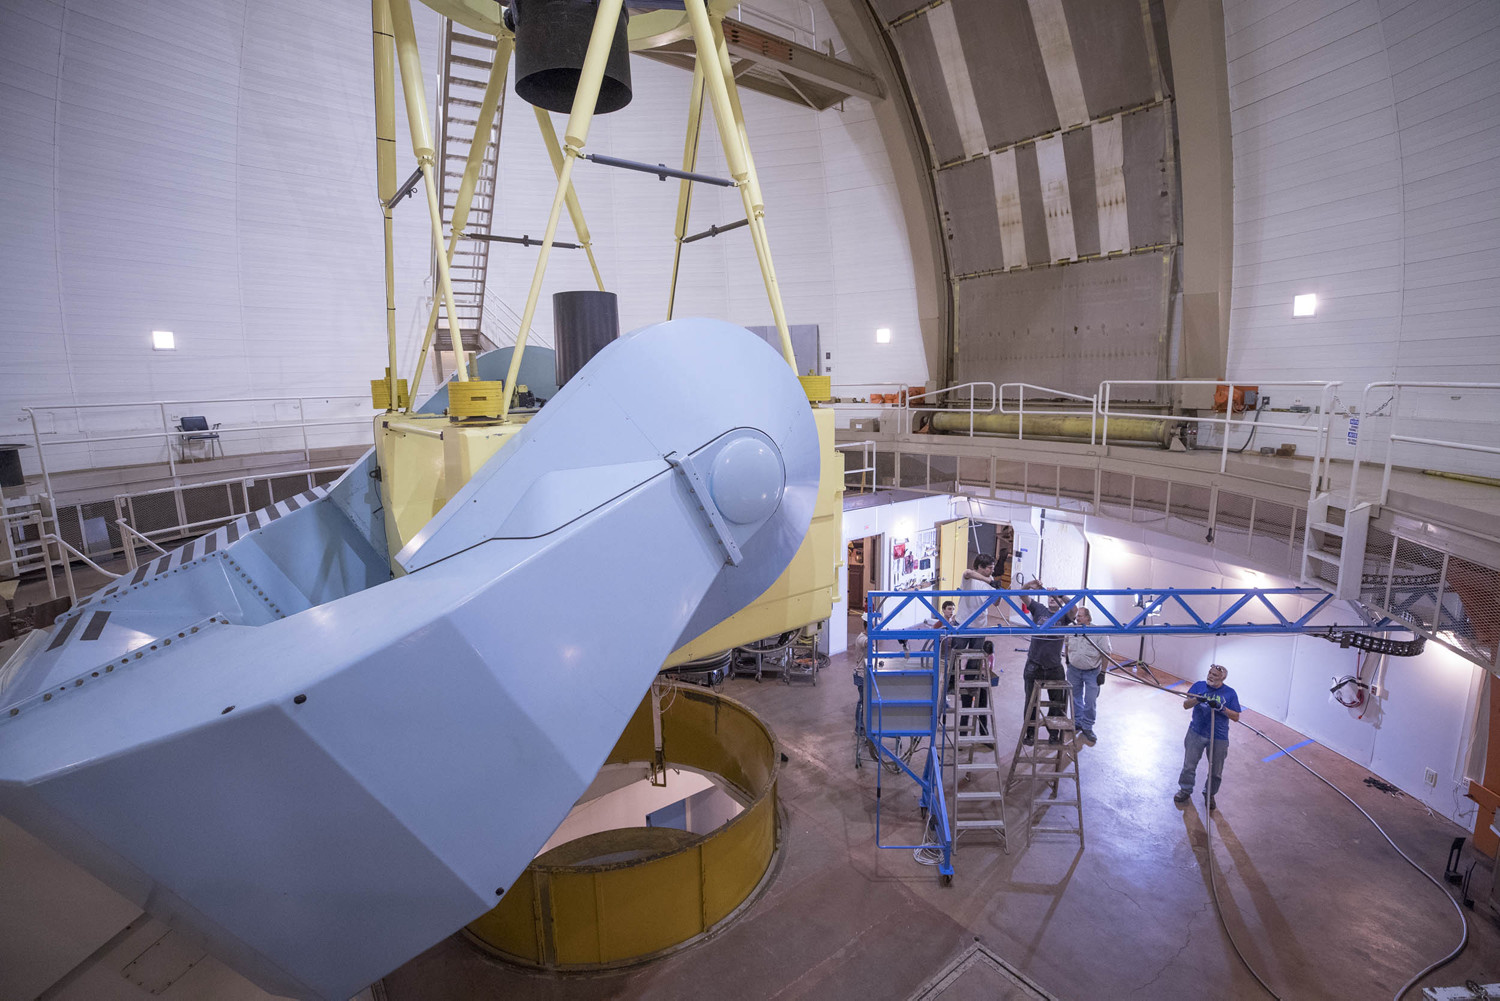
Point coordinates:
[[323, 768]]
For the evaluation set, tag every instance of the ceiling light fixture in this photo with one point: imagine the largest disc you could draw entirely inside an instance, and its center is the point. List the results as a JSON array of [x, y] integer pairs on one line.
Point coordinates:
[[162, 340], [1304, 305], [883, 335]]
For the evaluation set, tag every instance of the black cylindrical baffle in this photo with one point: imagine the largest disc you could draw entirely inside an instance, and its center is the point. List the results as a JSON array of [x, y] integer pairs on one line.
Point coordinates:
[[552, 37], [583, 323]]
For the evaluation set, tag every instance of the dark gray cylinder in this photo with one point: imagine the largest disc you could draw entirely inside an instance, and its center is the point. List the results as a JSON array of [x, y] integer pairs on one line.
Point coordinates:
[[582, 324]]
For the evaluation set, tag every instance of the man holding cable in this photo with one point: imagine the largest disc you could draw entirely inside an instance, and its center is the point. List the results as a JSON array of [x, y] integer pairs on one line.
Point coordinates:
[[1213, 704]]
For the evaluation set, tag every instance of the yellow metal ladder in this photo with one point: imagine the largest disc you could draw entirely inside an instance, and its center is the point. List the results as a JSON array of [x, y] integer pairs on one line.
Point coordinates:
[[1048, 764]]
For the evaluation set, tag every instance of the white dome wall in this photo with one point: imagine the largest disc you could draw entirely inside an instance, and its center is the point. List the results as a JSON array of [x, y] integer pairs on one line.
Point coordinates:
[[1366, 143], [209, 170]]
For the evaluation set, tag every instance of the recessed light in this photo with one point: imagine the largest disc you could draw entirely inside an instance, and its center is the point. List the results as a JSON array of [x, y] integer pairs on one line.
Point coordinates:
[[1304, 305], [883, 335], [162, 340]]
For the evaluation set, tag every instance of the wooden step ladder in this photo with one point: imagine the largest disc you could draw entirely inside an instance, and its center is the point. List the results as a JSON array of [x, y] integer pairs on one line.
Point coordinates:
[[1047, 764], [973, 756]]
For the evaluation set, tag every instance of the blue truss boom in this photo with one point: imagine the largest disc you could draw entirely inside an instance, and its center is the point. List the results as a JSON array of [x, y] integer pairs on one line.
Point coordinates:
[[917, 709]]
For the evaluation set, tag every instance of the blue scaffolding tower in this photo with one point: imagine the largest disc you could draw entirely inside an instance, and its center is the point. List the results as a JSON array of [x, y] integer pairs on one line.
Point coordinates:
[[904, 687]]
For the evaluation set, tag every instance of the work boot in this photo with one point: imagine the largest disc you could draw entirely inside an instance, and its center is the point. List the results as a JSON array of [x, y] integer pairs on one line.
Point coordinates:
[[1183, 795], [1089, 738]]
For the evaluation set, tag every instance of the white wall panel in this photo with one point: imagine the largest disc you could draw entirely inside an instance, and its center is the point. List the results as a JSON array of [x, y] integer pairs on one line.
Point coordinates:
[[1423, 721], [1367, 170], [209, 169]]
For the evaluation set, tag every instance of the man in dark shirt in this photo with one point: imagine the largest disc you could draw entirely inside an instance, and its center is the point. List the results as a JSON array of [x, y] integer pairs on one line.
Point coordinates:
[[1213, 704], [1044, 662]]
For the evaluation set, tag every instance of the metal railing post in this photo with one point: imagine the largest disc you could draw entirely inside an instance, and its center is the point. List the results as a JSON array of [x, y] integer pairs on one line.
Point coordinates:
[[1228, 423], [302, 419], [125, 543], [1390, 446], [1104, 437]]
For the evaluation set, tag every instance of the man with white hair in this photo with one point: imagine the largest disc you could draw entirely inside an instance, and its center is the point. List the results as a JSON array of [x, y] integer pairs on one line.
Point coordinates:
[[1089, 657], [1213, 704]]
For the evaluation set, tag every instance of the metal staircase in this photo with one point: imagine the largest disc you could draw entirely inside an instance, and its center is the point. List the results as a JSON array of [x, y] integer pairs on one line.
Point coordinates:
[[467, 60], [1333, 548], [902, 696]]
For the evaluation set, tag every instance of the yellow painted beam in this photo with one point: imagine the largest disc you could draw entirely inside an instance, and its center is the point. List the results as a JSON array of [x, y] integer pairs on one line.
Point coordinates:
[[485, 121], [575, 208], [685, 189], [385, 172], [585, 98], [415, 92]]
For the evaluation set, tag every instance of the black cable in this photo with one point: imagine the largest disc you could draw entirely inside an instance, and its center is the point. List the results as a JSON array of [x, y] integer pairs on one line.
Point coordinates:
[[1254, 427], [1464, 921], [1208, 850]]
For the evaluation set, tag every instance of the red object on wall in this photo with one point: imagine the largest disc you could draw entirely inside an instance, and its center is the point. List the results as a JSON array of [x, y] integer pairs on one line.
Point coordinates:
[[1221, 397]]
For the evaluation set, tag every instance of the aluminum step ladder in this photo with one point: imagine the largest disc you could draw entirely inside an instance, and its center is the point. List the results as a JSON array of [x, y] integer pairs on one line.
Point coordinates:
[[973, 754], [1046, 764], [466, 65]]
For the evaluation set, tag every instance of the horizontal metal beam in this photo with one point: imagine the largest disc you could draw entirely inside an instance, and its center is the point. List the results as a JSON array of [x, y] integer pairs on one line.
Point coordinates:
[[523, 240], [407, 187], [661, 170], [1156, 612], [715, 231]]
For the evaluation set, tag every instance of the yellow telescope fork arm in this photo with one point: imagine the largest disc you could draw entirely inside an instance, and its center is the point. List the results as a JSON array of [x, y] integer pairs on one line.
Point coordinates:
[[421, 140], [585, 98], [575, 210], [718, 75], [689, 163], [488, 105], [385, 168]]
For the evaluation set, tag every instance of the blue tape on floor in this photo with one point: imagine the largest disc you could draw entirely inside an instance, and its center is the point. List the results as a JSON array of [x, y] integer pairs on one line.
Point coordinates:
[[1273, 757], [1177, 684]]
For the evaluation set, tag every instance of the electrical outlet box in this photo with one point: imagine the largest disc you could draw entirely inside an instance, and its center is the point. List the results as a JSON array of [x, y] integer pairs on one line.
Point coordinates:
[[1430, 776]]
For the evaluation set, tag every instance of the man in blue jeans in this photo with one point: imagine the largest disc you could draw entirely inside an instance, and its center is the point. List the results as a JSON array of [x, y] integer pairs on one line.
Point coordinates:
[[1088, 658], [1213, 704]]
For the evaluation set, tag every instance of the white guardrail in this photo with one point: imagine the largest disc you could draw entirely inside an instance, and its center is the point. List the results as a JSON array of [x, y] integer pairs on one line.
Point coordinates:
[[1323, 418]]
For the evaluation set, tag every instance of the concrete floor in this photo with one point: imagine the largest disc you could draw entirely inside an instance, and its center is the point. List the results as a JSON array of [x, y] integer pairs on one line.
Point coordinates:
[[1318, 901]]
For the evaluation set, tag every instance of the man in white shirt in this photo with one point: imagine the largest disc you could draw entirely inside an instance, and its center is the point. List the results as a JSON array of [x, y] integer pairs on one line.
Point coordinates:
[[1088, 658], [981, 579]]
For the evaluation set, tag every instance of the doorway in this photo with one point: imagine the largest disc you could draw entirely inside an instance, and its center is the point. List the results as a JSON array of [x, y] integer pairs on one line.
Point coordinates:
[[997, 540], [862, 560]]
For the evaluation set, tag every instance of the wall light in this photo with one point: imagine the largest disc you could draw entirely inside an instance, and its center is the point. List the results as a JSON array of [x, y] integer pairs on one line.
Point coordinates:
[[883, 335], [162, 340], [1304, 305]]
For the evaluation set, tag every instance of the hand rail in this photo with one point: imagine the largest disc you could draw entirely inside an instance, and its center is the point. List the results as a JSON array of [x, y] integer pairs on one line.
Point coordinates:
[[125, 532], [908, 409], [1324, 413], [1092, 412], [866, 455], [1391, 437]]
